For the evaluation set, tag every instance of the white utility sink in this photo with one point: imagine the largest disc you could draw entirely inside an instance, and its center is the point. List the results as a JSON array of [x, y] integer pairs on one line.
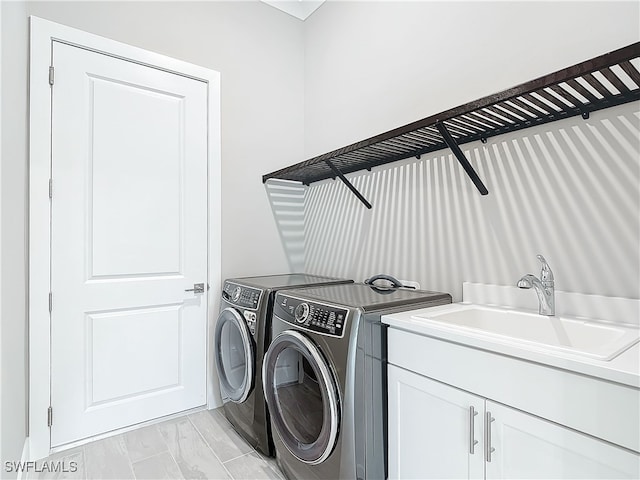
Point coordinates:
[[594, 339]]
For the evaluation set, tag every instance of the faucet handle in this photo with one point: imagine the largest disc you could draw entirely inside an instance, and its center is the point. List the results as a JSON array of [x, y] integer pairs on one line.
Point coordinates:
[[546, 275]]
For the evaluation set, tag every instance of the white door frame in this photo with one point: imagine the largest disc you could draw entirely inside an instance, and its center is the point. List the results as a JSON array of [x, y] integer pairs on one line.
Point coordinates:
[[42, 35]]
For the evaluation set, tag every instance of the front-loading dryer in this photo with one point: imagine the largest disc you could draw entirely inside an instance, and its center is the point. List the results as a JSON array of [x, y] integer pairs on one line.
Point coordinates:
[[242, 335], [324, 378]]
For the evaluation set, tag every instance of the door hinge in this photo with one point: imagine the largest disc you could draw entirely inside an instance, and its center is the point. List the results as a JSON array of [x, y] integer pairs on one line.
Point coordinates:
[[51, 75], [50, 188], [50, 417], [50, 301]]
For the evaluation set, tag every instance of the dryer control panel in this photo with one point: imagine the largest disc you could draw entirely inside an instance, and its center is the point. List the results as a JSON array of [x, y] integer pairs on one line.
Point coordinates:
[[317, 317], [241, 295]]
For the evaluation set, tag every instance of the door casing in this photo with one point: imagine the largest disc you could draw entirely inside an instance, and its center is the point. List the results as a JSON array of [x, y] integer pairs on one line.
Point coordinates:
[[42, 35]]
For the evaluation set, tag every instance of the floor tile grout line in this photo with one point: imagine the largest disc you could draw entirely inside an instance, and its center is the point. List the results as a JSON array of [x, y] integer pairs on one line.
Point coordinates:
[[228, 472], [205, 440], [148, 457], [175, 462], [231, 477], [157, 454], [253, 450], [274, 468], [169, 449], [223, 419], [263, 459], [124, 443], [166, 446], [124, 455], [212, 450], [240, 456]]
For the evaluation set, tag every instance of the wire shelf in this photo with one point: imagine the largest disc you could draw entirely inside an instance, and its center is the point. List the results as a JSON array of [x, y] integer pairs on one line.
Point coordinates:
[[602, 82]]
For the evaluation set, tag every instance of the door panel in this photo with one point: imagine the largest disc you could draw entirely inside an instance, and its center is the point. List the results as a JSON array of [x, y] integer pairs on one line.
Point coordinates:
[[133, 234], [530, 447], [121, 368], [430, 430], [128, 237]]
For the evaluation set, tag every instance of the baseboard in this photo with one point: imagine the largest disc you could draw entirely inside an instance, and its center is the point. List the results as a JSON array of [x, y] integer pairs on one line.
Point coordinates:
[[118, 431]]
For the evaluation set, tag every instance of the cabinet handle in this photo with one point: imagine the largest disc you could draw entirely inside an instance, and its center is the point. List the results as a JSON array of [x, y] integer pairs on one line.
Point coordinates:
[[472, 441], [487, 436]]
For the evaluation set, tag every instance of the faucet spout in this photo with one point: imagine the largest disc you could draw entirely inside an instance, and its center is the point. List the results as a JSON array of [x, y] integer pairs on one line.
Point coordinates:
[[527, 281], [543, 286]]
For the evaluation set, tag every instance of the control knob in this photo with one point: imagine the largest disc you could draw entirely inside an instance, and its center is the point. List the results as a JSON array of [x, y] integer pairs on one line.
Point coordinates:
[[236, 294], [302, 312]]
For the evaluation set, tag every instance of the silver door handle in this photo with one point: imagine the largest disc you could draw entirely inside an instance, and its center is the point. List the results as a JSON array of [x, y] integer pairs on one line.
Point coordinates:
[[487, 440], [197, 288], [472, 441]]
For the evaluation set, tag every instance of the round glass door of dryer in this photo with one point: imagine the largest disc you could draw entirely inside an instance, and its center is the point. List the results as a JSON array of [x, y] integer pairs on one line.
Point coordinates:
[[302, 396], [234, 354]]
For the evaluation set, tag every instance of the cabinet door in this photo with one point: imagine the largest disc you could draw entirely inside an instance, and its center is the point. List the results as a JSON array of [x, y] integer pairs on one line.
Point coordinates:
[[530, 447], [431, 429]]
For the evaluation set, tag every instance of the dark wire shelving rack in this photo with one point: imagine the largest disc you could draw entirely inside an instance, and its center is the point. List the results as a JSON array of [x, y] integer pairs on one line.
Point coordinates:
[[602, 82]]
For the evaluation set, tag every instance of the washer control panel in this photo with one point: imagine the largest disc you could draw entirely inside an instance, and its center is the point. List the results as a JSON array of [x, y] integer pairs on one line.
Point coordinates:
[[316, 317], [250, 318], [241, 295]]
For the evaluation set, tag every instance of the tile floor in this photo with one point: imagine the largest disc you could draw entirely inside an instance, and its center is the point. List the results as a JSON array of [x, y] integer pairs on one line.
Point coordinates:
[[202, 445]]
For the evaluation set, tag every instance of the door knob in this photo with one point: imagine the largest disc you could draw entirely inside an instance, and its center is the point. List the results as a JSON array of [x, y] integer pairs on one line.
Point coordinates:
[[197, 288]]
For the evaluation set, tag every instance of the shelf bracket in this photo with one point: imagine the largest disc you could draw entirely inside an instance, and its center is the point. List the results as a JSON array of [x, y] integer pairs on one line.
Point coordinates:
[[451, 143], [349, 185]]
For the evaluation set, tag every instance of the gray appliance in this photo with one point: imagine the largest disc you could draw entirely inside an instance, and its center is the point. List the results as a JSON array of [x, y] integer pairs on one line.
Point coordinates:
[[242, 335], [324, 378]]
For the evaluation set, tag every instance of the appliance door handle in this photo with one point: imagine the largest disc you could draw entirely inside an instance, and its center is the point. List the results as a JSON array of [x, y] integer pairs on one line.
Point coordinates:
[[472, 441]]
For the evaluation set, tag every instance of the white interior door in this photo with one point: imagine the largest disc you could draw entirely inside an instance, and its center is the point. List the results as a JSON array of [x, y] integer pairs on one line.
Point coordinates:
[[128, 238]]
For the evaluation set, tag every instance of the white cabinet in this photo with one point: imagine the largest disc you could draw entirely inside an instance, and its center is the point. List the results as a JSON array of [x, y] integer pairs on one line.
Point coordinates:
[[530, 447], [431, 429], [433, 433]]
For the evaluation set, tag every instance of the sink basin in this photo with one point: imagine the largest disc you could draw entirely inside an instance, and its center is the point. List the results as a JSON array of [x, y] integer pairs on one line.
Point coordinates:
[[603, 341]]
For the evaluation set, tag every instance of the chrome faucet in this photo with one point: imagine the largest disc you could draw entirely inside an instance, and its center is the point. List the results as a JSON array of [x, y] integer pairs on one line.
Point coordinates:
[[544, 288]]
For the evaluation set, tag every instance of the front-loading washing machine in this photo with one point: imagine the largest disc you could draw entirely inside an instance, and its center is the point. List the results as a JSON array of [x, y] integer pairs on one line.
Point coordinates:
[[242, 335], [324, 378]]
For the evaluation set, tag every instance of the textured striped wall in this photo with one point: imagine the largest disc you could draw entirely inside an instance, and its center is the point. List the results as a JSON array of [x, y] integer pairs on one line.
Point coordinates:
[[287, 204], [569, 190]]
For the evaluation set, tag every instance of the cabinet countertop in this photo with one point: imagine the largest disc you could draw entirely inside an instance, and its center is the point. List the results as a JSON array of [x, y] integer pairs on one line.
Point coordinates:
[[623, 369]]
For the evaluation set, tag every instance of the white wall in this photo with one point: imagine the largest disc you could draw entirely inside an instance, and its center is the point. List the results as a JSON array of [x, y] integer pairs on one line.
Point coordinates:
[[372, 66], [13, 198], [568, 190], [258, 52]]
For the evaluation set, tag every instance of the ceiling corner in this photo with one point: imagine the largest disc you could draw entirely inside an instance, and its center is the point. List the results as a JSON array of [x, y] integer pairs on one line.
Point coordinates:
[[300, 9]]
